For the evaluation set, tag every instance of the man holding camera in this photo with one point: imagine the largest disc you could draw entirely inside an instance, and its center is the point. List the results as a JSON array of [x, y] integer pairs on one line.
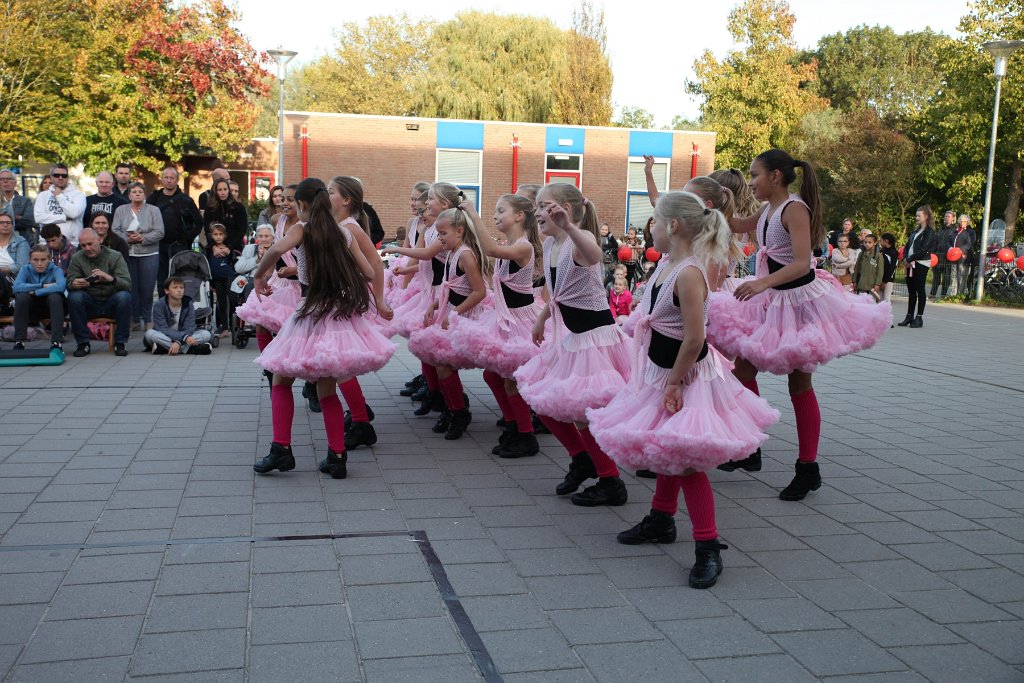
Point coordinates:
[[98, 286]]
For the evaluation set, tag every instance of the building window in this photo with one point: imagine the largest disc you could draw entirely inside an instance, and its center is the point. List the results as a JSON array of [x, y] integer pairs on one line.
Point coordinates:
[[638, 203], [564, 168], [462, 168]]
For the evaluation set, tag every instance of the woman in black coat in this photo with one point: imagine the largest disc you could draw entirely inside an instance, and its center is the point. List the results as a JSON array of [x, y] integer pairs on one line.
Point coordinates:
[[917, 257], [222, 208]]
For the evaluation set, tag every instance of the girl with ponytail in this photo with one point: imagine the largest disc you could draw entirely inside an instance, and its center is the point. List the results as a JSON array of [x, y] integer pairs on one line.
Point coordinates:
[[787, 320], [462, 294], [586, 362], [683, 413], [326, 340]]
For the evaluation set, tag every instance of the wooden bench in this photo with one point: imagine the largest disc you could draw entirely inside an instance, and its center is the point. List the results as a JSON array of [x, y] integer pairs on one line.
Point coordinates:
[[9, 320]]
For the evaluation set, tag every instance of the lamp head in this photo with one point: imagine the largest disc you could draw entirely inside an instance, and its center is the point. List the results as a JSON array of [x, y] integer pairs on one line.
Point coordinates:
[[282, 57], [1001, 50]]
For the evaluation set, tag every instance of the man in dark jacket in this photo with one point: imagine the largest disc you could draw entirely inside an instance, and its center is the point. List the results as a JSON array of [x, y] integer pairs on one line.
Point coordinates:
[[182, 221], [963, 238], [940, 275], [19, 208]]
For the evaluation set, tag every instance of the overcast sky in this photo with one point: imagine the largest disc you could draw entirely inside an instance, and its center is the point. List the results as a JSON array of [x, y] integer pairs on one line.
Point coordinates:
[[652, 45]]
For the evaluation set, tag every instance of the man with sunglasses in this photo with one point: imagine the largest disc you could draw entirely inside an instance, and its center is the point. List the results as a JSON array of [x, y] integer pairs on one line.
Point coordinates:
[[62, 204], [19, 208]]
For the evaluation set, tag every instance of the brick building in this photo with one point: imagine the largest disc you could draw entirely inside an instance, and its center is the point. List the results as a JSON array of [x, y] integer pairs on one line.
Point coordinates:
[[389, 154]]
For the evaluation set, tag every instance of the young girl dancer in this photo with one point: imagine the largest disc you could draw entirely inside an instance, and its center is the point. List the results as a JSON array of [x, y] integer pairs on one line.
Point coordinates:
[[683, 412], [400, 273], [499, 340], [326, 339], [462, 294], [786, 320], [586, 363]]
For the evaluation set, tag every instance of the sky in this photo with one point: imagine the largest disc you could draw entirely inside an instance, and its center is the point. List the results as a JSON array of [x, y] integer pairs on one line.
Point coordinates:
[[651, 45]]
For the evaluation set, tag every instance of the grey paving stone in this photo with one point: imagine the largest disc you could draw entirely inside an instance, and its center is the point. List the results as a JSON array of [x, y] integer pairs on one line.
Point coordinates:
[[160, 653], [425, 669], [890, 677], [101, 600], [36, 561], [896, 627], [551, 562], [992, 585], [541, 649], [26, 588], [891, 576], [198, 612], [717, 637], [749, 582], [206, 553], [48, 533], [1005, 639], [943, 556], [604, 625], [226, 505], [986, 542], [468, 551], [62, 512], [310, 623], [832, 653], [215, 577], [143, 499], [382, 569], [559, 676], [394, 601], [851, 548], [485, 579], [296, 589], [776, 615], [291, 557], [799, 565], [83, 639], [105, 669], [504, 612], [770, 538], [17, 622], [842, 594], [650, 661], [759, 667], [376, 545], [954, 663], [407, 638], [212, 526], [530, 537], [568, 592]]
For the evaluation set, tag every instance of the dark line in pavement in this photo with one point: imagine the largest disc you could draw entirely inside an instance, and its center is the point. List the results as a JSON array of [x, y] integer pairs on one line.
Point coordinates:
[[940, 372]]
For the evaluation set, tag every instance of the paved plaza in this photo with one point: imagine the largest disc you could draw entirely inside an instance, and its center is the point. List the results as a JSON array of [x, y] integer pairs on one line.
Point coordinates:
[[137, 543]]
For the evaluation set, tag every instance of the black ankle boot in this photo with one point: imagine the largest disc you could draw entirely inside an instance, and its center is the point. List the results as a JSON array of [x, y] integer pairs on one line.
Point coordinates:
[[412, 386], [348, 417], [751, 463], [538, 425], [906, 321], [501, 423], [656, 527], [335, 465], [280, 458], [459, 422], [421, 394], [807, 479], [312, 399], [520, 446], [607, 491], [443, 422], [917, 322], [510, 430], [360, 434], [708, 563], [434, 402], [580, 469], [646, 474]]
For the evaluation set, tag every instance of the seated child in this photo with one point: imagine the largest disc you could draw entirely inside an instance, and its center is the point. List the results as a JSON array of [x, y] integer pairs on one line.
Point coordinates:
[[621, 301], [39, 293], [174, 324]]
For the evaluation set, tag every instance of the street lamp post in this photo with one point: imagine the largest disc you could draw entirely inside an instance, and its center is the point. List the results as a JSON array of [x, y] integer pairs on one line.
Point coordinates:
[[282, 57], [1001, 50]]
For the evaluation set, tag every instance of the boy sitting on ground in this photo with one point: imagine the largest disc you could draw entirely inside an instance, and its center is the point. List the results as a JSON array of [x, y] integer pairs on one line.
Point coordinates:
[[174, 324]]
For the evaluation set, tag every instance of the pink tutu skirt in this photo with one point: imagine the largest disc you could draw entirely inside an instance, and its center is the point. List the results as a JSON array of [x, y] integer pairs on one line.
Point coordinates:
[[492, 347], [780, 331], [271, 312], [720, 420], [337, 348], [435, 345], [394, 293], [409, 315], [576, 372]]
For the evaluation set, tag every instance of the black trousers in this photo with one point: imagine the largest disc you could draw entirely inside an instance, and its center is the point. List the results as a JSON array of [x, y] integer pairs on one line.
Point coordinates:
[[916, 281]]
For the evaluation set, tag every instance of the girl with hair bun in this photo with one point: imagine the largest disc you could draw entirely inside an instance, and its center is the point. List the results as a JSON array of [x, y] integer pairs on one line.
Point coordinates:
[[683, 413], [787, 320]]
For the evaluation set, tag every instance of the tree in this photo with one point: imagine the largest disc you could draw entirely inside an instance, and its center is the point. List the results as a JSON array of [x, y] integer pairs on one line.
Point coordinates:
[[585, 92], [755, 97], [680, 122], [635, 117]]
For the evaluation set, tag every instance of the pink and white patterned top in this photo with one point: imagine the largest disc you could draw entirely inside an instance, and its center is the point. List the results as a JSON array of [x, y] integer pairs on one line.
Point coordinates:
[[575, 286]]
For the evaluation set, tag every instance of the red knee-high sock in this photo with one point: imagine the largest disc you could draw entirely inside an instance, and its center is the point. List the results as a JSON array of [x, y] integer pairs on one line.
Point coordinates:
[[429, 373], [808, 424], [700, 505], [752, 385], [666, 493], [354, 399], [497, 385], [604, 465], [566, 433], [282, 411], [521, 412], [334, 422], [451, 387], [263, 338]]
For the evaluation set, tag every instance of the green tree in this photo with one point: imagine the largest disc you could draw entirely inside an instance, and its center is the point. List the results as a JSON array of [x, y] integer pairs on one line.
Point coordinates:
[[585, 93], [680, 122], [756, 96], [635, 117]]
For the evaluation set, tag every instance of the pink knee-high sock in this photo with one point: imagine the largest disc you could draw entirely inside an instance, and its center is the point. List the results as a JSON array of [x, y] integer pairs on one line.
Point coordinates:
[[666, 493], [354, 399], [700, 505], [566, 433], [334, 422], [282, 411], [451, 387], [497, 385], [429, 373], [752, 385], [808, 424], [263, 338], [521, 412], [604, 465]]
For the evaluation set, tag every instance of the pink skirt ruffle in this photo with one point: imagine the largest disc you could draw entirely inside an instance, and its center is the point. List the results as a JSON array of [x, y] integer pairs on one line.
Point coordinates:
[[394, 293], [271, 312], [492, 347], [435, 345], [409, 314], [577, 372], [337, 348], [720, 420], [780, 331]]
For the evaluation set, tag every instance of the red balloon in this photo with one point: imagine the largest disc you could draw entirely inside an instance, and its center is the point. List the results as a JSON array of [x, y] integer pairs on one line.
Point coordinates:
[[625, 253], [652, 255], [1006, 255], [934, 260], [1020, 262], [749, 249], [954, 254], [900, 253]]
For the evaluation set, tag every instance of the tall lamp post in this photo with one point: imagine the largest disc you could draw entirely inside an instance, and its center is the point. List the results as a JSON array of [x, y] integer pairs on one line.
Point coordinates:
[[282, 57], [1001, 50]]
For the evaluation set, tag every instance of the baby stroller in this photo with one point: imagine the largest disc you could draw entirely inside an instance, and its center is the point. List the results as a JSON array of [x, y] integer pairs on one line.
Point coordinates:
[[241, 332], [193, 268]]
